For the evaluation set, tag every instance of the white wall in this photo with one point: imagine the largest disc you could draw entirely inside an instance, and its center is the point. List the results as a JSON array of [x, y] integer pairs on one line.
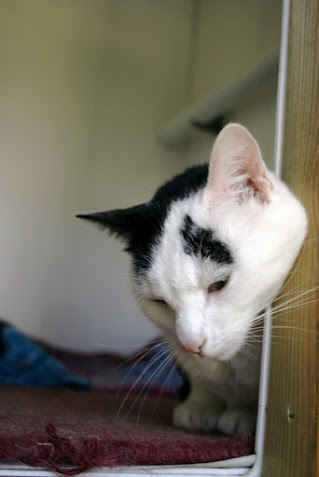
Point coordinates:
[[234, 36], [85, 85]]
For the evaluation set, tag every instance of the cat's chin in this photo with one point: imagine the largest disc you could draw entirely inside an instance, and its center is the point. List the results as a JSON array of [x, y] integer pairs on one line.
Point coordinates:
[[220, 357]]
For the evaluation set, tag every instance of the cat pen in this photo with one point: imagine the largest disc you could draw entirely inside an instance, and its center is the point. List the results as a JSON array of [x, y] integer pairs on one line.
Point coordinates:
[[285, 452]]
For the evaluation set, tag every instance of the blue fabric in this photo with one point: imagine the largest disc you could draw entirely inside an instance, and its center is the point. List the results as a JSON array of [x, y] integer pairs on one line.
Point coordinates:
[[24, 363]]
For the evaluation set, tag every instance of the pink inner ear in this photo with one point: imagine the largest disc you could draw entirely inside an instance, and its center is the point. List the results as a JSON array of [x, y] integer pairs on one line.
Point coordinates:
[[236, 165]]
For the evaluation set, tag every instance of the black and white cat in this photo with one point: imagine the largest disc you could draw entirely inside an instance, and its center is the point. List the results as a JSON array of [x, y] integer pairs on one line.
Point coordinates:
[[210, 251]]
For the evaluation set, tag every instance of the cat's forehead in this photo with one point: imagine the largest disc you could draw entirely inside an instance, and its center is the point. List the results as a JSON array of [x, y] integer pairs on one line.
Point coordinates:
[[202, 242], [200, 231], [190, 247]]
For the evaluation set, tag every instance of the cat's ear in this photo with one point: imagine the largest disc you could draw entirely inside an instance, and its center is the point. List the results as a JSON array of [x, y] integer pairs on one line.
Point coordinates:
[[236, 168], [120, 222]]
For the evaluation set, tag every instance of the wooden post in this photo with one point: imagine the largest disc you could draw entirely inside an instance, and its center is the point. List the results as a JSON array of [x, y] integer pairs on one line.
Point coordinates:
[[292, 431]]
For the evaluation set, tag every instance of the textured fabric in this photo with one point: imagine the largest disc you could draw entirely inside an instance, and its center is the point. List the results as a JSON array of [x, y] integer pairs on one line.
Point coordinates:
[[24, 363], [72, 431], [150, 370], [27, 362]]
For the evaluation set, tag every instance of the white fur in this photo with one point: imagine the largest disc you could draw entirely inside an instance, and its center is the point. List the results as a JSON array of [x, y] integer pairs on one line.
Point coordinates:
[[264, 226]]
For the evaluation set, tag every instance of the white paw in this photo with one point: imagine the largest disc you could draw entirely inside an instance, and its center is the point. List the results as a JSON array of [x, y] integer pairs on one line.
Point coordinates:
[[237, 421], [196, 416]]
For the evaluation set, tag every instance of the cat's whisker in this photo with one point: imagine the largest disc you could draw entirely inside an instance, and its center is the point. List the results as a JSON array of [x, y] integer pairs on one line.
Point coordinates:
[[258, 335], [249, 350], [287, 339], [279, 311], [138, 379], [138, 295], [296, 328], [293, 306], [281, 314], [151, 346], [165, 385], [306, 242], [292, 291], [124, 347], [284, 322], [295, 268], [273, 308], [161, 366], [288, 326], [296, 297], [280, 340], [158, 371], [284, 306], [292, 303], [136, 361], [252, 341], [311, 240]]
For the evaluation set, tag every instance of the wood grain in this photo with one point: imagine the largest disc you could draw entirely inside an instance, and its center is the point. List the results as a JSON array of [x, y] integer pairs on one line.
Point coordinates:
[[292, 432]]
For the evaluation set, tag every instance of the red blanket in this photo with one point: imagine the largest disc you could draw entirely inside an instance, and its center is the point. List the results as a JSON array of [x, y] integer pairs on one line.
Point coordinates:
[[72, 431]]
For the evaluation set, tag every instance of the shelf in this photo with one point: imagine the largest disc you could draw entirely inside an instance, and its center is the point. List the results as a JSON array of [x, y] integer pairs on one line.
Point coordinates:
[[218, 104]]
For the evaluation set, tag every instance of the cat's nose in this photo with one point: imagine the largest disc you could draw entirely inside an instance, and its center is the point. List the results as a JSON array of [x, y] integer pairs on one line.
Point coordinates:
[[194, 348]]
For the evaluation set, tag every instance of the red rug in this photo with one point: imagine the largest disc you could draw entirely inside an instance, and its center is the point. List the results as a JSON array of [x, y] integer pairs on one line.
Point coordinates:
[[73, 431]]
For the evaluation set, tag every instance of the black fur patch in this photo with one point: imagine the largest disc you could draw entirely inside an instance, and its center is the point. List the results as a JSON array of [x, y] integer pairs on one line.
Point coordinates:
[[141, 226], [198, 241]]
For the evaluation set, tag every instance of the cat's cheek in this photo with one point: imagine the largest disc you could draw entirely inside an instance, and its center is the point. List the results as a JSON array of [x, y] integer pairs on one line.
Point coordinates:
[[159, 314], [233, 347]]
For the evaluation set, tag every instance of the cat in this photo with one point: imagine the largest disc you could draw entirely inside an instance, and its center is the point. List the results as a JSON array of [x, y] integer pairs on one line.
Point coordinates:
[[210, 251]]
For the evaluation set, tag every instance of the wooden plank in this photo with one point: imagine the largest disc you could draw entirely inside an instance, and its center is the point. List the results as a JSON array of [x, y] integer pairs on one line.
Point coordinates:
[[292, 431]]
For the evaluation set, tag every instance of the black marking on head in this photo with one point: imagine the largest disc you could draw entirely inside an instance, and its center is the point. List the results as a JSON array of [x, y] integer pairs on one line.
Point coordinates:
[[201, 242], [141, 226]]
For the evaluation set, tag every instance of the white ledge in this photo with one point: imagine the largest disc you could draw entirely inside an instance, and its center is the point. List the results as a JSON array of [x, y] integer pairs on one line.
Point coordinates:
[[220, 103]]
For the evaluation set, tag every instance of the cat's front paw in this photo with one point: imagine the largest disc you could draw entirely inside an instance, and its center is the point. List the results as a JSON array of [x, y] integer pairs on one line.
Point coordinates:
[[237, 421], [196, 416]]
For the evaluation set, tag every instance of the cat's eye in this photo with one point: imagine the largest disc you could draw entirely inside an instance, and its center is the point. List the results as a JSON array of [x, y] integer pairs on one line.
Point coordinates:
[[159, 300], [216, 286]]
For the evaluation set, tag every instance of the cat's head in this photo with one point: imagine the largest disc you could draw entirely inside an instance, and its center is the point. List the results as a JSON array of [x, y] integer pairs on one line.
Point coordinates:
[[212, 248]]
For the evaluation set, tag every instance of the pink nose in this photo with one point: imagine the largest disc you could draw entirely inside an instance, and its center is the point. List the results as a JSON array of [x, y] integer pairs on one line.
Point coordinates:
[[194, 349]]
